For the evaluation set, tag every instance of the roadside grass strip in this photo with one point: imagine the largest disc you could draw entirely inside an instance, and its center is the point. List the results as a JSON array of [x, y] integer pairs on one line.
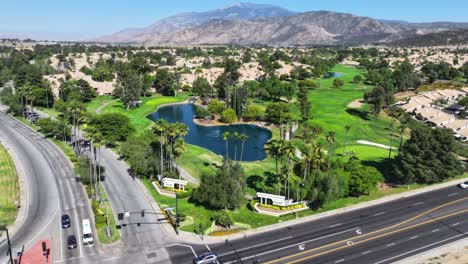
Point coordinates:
[[9, 188]]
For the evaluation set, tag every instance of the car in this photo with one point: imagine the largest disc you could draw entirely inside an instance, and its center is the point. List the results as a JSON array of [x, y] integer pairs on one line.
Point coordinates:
[[71, 242], [66, 221], [463, 185], [208, 257]]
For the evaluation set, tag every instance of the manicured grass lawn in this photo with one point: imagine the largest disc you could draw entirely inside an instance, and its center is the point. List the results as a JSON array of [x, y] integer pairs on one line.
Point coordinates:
[[98, 102], [202, 215], [330, 111], [199, 161], [9, 188], [137, 115], [105, 207]]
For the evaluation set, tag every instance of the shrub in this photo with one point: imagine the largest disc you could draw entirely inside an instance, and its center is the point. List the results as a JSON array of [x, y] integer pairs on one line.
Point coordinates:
[[202, 112], [254, 112], [223, 219], [215, 107], [228, 116]]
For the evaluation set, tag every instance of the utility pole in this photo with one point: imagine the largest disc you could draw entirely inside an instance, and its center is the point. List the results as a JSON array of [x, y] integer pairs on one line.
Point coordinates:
[[177, 215]]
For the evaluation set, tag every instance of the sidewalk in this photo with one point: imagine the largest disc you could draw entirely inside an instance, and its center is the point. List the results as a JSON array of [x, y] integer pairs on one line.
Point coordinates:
[[188, 237], [453, 253], [34, 255]]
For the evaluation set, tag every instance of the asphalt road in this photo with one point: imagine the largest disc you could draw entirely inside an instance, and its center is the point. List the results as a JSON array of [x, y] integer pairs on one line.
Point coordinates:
[[380, 234], [52, 190]]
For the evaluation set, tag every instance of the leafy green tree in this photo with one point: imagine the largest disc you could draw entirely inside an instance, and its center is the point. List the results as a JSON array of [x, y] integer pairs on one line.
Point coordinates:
[[463, 101], [427, 157], [357, 78], [338, 83], [202, 87], [275, 112], [166, 82], [362, 179], [53, 128], [225, 190], [304, 103], [114, 127], [228, 116]]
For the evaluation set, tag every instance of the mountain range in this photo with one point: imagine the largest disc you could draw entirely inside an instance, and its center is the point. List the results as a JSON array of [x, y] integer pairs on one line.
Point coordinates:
[[262, 24]]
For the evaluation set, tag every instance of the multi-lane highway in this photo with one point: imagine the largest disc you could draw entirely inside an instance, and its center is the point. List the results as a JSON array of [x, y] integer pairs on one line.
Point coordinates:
[[51, 190], [380, 234]]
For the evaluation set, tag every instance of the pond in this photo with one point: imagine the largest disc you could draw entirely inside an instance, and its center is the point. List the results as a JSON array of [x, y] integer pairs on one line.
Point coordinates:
[[332, 75], [211, 137]]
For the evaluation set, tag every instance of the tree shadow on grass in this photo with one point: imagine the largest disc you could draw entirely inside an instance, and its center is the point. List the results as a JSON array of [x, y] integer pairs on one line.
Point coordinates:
[[359, 113], [384, 166]]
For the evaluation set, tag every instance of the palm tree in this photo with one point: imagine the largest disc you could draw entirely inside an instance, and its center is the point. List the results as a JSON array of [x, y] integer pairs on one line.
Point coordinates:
[[391, 141], [403, 126], [235, 136], [243, 137], [226, 136], [274, 149], [331, 137], [289, 152], [160, 128], [179, 148], [318, 157], [347, 128], [307, 157]]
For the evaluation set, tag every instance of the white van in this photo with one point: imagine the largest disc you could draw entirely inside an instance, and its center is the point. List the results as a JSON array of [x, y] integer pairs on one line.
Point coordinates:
[[87, 234]]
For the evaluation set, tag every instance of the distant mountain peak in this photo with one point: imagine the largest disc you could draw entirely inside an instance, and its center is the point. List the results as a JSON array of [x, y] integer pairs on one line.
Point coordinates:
[[239, 4]]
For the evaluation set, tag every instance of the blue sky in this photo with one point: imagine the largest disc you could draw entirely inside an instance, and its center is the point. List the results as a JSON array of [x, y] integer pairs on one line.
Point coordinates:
[[96, 17]]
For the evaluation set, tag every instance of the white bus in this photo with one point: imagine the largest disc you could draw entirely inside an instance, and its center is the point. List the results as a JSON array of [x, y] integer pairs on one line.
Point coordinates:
[[87, 234]]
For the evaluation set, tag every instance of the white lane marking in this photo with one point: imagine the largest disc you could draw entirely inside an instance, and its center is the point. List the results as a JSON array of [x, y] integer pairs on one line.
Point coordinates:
[[207, 247], [391, 245], [182, 245], [381, 213], [366, 252], [418, 203], [63, 260], [414, 250], [109, 259], [336, 225], [338, 261], [294, 245], [414, 237], [259, 245], [456, 224], [435, 230], [452, 194]]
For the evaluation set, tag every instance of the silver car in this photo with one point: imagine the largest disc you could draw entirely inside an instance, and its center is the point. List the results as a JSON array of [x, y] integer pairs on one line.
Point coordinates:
[[208, 257]]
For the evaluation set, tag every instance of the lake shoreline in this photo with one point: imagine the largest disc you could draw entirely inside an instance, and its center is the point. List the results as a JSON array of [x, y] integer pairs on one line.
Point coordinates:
[[212, 123]]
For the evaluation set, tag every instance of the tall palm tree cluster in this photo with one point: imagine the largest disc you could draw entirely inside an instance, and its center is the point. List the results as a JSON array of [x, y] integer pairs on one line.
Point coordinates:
[[171, 144], [313, 159], [237, 137]]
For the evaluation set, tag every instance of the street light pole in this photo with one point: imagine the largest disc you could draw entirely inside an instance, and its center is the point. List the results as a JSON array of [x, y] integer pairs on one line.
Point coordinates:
[[9, 246], [177, 215]]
